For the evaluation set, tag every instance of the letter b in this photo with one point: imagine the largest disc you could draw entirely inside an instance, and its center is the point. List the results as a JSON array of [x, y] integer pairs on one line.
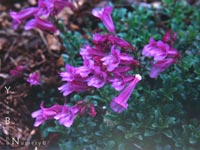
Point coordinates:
[[7, 120]]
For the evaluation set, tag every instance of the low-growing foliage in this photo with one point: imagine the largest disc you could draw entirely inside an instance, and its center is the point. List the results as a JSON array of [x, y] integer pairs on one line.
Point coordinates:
[[163, 113]]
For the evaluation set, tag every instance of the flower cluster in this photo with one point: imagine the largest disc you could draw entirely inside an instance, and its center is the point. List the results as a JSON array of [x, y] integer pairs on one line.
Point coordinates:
[[107, 62], [104, 63], [41, 15], [163, 53], [63, 113]]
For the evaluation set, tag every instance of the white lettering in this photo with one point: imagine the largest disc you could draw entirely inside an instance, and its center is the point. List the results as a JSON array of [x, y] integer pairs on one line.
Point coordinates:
[[15, 140], [7, 120], [7, 89]]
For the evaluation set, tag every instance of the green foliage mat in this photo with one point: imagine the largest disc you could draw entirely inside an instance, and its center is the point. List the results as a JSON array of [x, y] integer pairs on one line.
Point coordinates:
[[163, 113]]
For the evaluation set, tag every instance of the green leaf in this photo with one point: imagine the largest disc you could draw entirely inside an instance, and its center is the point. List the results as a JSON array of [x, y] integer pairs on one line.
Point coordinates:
[[121, 128], [121, 146], [92, 124], [110, 144], [129, 135], [140, 137], [66, 146], [192, 140], [168, 133], [157, 114], [171, 120], [140, 116], [149, 133]]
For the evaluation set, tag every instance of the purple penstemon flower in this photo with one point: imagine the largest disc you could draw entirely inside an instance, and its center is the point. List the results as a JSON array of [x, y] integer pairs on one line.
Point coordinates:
[[99, 39], [41, 24], [119, 103], [72, 73], [45, 8], [98, 79], [83, 71], [156, 49], [76, 79], [34, 78], [119, 81], [88, 62], [122, 69], [120, 42], [128, 59], [40, 14], [63, 113], [105, 15], [67, 115], [89, 52], [164, 54], [170, 37], [113, 60], [160, 66], [92, 111], [74, 86], [173, 53], [69, 74], [44, 114], [147, 50], [19, 17]]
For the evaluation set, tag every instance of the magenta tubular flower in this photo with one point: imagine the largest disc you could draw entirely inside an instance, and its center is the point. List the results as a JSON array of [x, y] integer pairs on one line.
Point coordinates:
[[73, 73], [147, 50], [45, 8], [105, 15], [120, 42], [167, 37], [81, 106], [69, 74], [99, 39], [45, 113], [119, 103], [41, 24], [17, 71], [161, 52], [170, 37], [158, 50], [74, 86], [76, 79], [173, 53], [164, 55], [83, 71], [24, 14], [34, 78], [89, 52], [161, 66], [122, 69], [113, 60], [66, 116], [119, 81], [98, 79], [128, 59], [92, 111]]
